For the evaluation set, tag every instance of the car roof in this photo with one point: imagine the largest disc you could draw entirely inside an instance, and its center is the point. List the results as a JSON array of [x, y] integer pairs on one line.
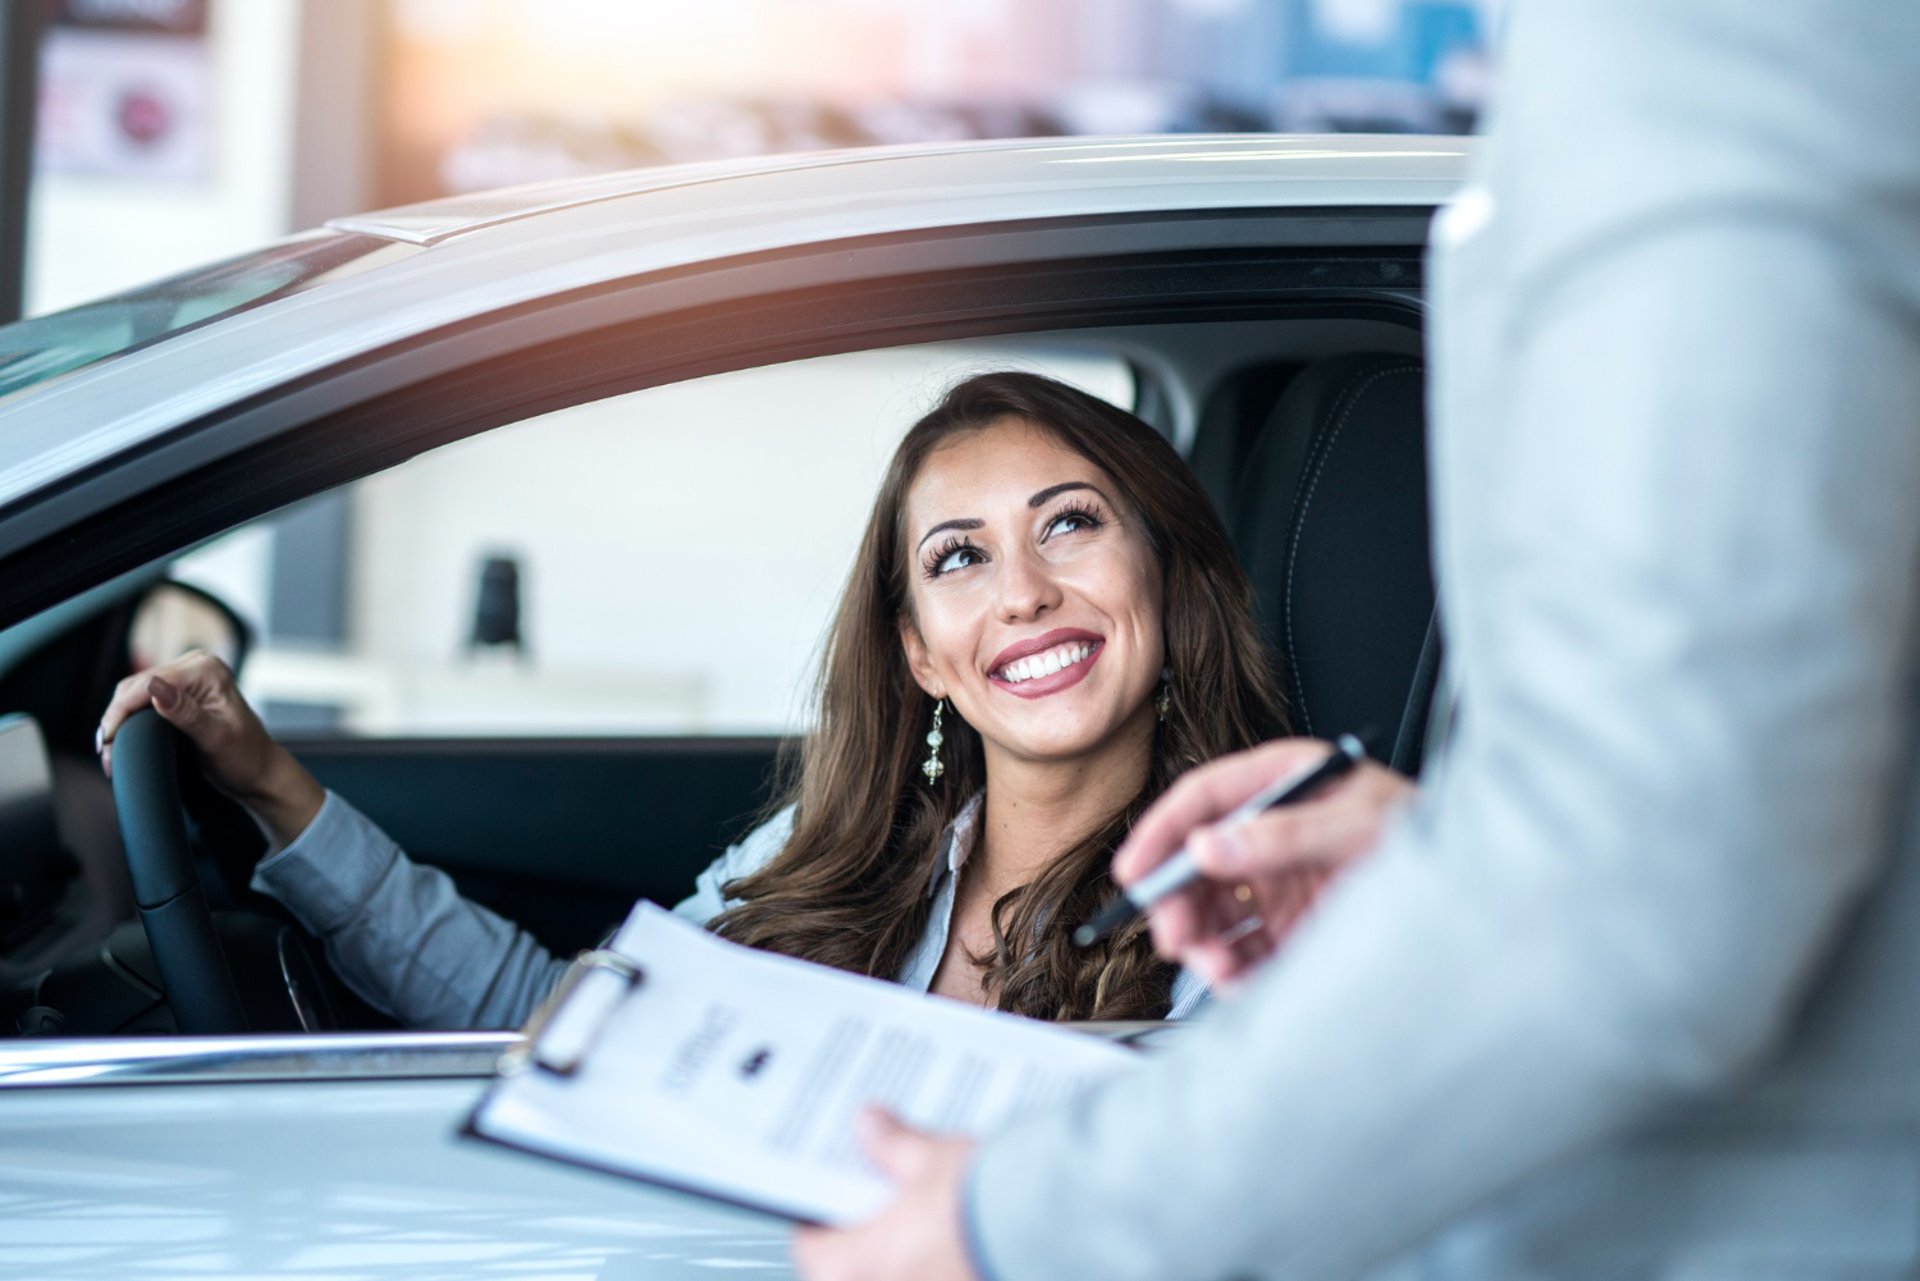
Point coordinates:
[[1339, 169], [456, 259]]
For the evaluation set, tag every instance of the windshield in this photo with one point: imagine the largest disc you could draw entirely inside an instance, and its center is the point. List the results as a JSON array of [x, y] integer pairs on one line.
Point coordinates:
[[44, 347]]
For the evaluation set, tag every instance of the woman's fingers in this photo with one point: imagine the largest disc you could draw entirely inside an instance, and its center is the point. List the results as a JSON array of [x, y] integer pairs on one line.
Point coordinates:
[[129, 696], [193, 673], [890, 1145], [154, 691], [1327, 830], [919, 1234], [198, 695], [1260, 875], [194, 693], [1205, 795], [1177, 922], [1233, 936], [1250, 922]]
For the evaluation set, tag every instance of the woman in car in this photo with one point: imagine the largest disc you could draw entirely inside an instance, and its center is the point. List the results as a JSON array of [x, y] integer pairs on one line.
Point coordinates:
[[1044, 625]]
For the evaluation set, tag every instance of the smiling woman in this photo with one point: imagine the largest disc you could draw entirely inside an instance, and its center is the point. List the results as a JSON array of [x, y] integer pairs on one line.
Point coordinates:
[[1048, 566], [1071, 596]]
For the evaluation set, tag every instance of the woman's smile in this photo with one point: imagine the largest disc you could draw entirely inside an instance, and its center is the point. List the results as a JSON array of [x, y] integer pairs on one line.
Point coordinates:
[[1046, 664]]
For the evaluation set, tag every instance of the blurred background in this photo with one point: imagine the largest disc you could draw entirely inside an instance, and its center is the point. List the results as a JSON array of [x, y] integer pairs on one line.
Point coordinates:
[[173, 132], [609, 568]]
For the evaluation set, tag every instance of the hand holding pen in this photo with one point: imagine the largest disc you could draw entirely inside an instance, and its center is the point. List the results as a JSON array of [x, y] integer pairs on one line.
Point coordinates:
[[1256, 872]]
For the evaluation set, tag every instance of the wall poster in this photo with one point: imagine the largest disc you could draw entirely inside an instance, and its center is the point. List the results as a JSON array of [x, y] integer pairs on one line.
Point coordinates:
[[126, 90]]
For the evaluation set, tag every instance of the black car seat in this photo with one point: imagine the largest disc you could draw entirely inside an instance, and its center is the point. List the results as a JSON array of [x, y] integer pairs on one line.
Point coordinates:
[[1330, 516], [1230, 422]]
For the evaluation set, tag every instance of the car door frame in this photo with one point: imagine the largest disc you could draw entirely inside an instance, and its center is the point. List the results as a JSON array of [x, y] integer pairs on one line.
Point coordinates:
[[328, 428]]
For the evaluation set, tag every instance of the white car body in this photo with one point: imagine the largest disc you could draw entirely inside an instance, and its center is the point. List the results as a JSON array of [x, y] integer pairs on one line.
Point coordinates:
[[338, 1156]]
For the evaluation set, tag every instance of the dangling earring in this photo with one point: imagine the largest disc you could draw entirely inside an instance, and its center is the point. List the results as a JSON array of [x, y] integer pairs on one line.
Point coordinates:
[[934, 767], [1164, 698]]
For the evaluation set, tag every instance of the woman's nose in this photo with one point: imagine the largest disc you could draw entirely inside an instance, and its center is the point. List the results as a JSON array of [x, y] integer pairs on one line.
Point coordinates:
[[1027, 588]]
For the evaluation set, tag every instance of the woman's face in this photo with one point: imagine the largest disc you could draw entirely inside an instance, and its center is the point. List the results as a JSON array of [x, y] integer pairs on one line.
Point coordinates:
[[1035, 595]]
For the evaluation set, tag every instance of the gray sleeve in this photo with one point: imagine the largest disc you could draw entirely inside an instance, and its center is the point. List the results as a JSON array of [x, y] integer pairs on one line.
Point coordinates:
[[1677, 466], [399, 934], [753, 852]]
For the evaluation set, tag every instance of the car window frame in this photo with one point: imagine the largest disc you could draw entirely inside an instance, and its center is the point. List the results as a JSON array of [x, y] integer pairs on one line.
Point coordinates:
[[327, 429], [332, 428]]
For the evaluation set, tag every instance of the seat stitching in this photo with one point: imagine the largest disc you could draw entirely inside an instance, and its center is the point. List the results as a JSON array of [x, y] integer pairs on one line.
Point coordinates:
[[1300, 520]]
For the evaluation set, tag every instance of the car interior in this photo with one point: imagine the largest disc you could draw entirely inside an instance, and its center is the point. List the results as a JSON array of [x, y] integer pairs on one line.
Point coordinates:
[[1306, 428]]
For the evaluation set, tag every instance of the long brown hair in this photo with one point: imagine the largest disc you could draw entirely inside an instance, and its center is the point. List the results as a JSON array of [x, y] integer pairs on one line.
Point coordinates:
[[849, 889]]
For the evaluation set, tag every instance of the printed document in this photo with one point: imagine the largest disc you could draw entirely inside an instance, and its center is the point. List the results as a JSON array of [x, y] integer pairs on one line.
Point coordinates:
[[686, 1060]]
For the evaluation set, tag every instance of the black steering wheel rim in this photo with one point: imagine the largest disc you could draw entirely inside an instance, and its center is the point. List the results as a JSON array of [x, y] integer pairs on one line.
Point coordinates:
[[166, 884]]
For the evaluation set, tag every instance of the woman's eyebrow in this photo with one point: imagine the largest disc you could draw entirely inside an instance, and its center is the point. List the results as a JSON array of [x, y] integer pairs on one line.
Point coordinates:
[[1054, 491], [974, 522], [967, 522]]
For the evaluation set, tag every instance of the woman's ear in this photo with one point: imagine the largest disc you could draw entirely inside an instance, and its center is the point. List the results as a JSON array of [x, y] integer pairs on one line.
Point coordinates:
[[918, 661]]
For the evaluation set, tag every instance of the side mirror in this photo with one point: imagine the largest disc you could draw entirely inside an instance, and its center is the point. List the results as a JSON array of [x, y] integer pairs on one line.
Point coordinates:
[[172, 618]]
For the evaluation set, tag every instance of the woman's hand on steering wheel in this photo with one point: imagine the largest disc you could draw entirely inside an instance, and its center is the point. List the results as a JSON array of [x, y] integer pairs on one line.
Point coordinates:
[[197, 694]]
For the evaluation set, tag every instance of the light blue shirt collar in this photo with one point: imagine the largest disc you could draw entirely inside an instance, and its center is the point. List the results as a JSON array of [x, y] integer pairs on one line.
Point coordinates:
[[962, 834], [942, 888]]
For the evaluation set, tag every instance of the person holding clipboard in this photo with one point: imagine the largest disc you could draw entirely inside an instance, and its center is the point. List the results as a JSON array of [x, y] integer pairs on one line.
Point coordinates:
[[1627, 991]]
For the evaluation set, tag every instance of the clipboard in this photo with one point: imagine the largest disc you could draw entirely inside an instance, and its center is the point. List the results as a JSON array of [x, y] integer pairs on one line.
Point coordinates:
[[549, 1048], [537, 1052], [679, 1059]]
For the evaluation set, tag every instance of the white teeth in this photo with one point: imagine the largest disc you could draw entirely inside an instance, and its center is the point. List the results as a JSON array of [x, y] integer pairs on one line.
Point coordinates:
[[1046, 664]]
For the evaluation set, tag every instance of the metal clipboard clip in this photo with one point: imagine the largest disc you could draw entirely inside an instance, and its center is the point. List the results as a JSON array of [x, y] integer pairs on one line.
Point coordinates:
[[569, 1022]]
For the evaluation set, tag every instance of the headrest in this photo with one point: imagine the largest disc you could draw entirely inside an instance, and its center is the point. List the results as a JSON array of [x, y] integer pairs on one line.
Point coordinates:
[[1331, 520]]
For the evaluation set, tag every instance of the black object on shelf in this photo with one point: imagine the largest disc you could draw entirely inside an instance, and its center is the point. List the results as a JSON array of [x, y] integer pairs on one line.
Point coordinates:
[[496, 614]]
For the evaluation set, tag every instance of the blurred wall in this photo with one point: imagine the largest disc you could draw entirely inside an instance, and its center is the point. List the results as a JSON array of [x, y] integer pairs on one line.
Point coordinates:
[[680, 550], [682, 547], [336, 110], [291, 101], [90, 235]]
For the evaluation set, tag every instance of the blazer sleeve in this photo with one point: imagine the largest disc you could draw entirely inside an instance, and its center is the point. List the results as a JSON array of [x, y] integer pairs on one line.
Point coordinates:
[[1676, 465], [401, 936]]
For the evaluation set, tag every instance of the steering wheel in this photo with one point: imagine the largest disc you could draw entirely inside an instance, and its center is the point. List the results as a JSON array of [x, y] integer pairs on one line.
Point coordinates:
[[166, 886]]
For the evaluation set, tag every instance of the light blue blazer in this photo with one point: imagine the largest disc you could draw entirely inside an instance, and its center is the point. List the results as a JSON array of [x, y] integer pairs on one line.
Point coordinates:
[[1634, 992]]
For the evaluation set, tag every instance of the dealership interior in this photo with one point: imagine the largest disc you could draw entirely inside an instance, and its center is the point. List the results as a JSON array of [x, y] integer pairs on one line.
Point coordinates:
[[173, 133]]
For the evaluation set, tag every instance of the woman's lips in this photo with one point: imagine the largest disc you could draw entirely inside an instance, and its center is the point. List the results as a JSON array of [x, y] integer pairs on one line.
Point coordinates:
[[1041, 686]]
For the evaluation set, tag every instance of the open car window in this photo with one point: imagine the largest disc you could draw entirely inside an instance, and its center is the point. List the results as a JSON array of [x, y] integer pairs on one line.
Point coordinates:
[[662, 562], [556, 660]]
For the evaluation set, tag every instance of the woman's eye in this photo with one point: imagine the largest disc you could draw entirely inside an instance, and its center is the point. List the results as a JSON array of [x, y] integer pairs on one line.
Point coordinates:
[[1067, 522], [959, 558]]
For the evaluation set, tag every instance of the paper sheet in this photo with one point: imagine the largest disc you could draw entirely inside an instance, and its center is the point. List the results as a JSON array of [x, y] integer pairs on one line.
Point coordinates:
[[737, 1074]]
